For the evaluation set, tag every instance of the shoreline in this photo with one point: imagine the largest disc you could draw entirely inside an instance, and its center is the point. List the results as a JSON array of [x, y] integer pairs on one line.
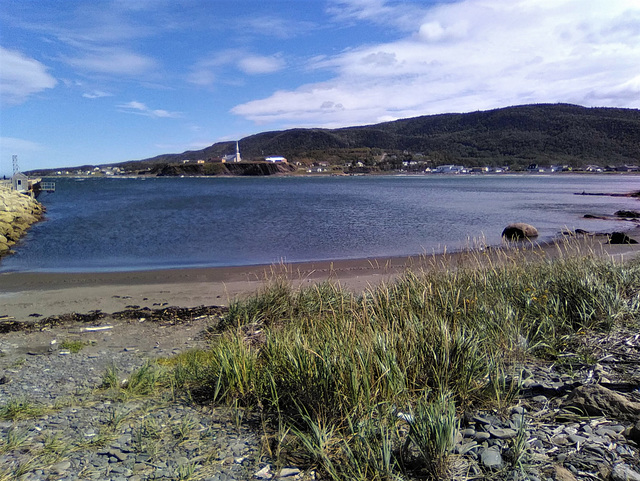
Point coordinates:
[[25, 295]]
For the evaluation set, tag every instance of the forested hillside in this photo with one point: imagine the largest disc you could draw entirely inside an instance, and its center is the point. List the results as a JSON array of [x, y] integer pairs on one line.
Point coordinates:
[[559, 133], [512, 136]]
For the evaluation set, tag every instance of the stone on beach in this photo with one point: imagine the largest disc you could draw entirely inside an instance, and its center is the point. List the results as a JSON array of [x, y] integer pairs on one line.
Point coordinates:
[[519, 230], [596, 400], [621, 238]]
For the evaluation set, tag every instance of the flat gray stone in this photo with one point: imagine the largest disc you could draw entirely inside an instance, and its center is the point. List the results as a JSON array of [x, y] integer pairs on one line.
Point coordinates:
[[61, 467], [576, 438], [503, 433], [623, 472], [288, 472], [264, 473], [491, 458]]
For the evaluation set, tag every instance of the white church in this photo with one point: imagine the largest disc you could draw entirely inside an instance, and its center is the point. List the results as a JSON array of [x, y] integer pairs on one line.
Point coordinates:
[[233, 157]]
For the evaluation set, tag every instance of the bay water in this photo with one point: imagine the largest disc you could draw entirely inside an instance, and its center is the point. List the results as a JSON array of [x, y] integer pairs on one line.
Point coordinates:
[[120, 224]]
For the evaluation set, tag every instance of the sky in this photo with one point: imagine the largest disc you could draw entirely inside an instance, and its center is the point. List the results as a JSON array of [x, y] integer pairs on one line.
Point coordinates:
[[104, 81]]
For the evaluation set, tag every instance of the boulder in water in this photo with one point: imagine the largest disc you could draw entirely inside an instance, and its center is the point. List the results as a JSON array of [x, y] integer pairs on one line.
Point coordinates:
[[519, 230]]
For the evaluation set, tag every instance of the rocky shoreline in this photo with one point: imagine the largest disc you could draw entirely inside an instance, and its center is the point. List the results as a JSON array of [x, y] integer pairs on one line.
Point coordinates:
[[571, 419], [17, 213]]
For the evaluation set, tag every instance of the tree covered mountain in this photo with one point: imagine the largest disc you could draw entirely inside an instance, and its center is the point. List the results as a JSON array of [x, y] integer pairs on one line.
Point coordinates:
[[513, 136], [558, 133]]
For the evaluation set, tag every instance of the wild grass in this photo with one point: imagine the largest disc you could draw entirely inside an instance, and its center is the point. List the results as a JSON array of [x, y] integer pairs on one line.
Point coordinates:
[[20, 408], [332, 369], [149, 379], [74, 346]]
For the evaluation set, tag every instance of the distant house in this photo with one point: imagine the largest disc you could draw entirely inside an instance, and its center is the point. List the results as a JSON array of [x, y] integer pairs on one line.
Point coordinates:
[[449, 169], [627, 168], [20, 182], [275, 158]]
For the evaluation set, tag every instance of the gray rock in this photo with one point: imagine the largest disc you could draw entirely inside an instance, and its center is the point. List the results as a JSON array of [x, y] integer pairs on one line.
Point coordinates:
[[621, 238], [264, 473], [595, 400], [61, 467], [491, 458], [519, 230], [577, 439], [633, 433], [623, 472], [288, 472], [503, 433], [465, 448]]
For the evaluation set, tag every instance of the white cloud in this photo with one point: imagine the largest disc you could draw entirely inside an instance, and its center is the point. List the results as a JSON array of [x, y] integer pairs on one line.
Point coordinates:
[[471, 55], [96, 94], [272, 26], [209, 70], [257, 64], [400, 15], [113, 61], [21, 77], [135, 107], [12, 145]]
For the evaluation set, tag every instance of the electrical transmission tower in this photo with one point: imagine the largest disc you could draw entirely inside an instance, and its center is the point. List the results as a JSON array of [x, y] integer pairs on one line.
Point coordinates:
[[16, 169]]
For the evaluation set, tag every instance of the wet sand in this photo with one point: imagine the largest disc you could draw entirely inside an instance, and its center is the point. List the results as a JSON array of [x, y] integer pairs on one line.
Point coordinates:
[[25, 294]]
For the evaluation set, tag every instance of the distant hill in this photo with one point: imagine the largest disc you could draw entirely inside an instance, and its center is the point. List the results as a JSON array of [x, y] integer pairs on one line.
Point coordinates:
[[514, 136]]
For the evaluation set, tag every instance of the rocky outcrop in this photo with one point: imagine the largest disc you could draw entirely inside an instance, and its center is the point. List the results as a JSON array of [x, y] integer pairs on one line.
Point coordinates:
[[17, 213], [518, 231], [628, 214], [217, 168]]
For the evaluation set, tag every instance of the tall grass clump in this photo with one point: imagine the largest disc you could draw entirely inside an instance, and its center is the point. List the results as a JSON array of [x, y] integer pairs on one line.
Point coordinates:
[[433, 429], [332, 368]]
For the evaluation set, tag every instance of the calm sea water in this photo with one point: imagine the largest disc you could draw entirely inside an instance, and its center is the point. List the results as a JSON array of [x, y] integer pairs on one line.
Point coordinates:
[[130, 224]]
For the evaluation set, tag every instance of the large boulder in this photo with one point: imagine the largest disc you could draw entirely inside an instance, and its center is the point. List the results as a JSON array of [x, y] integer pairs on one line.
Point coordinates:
[[621, 238], [519, 230], [596, 400]]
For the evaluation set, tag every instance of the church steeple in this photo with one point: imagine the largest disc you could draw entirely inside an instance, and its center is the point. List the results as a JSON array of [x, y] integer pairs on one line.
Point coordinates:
[[238, 159]]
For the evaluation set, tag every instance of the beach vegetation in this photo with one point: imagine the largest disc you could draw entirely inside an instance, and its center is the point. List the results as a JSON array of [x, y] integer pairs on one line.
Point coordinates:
[[14, 438], [149, 379], [373, 385], [74, 346], [20, 408]]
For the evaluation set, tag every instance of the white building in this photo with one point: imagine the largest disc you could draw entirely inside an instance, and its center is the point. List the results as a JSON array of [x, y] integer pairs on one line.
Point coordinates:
[[20, 182], [233, 157], [449, 169]]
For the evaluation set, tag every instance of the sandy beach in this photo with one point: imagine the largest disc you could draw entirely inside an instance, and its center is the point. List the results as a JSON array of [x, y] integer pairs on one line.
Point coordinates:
[[23, 295]]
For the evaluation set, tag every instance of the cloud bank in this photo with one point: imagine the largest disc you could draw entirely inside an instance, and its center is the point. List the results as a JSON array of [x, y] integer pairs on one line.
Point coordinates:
[[469, 55], [21, 77]]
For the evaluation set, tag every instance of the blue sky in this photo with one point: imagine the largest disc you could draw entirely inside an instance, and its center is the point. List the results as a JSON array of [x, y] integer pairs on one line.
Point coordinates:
[[97, 81]]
